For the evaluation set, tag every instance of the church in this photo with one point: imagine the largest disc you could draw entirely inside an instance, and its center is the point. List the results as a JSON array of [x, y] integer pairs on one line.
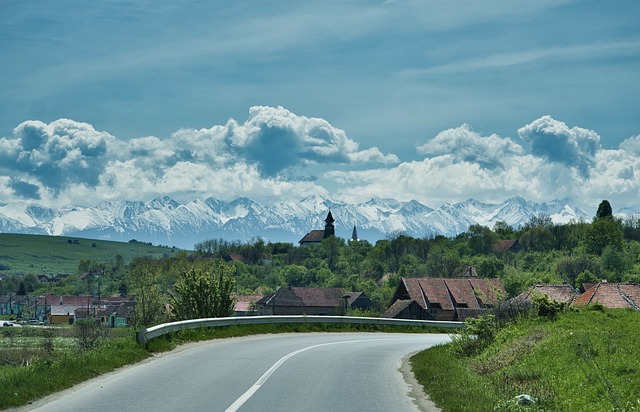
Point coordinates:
[[316, 236]]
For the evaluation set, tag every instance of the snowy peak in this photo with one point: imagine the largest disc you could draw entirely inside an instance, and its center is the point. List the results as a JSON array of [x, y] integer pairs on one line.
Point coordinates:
[[166, 221]]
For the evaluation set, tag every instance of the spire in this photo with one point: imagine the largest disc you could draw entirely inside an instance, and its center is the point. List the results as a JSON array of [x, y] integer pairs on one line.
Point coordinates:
[[329, 219], [329, 229], [354, 234]]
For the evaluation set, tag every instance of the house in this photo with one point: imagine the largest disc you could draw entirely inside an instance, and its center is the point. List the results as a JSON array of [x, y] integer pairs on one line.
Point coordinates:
[[446, 299], [312, 301], [245, 304], [316, 236], [6, 305], [62, 309], [611, 295], [505, 246], [115, 316], [16, 305], [235, 257], [563, 293]]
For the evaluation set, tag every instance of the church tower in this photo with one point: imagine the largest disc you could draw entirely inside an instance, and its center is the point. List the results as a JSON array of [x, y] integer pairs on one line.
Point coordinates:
[[329, 229]]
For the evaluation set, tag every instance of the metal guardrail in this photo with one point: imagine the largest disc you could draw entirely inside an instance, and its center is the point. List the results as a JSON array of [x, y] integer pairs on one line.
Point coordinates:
[[147, 334]]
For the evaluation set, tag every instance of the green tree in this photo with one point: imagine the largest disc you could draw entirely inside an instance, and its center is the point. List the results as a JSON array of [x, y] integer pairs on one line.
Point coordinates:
[[571, 267], [144, 280], [204, 293], [603, 233], [503, 229], [331, 249], [22, 290], [537, 239], [481, 239], [296, 275], [604, 210], [616, 262]]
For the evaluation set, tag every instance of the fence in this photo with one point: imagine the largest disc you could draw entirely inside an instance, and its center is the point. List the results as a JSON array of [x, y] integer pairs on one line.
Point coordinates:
[[147, 334]]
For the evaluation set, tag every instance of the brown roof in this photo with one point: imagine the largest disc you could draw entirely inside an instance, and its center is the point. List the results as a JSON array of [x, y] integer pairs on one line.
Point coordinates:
[[564, 293], [313, 237], [611, 295], [315, 297], [236, 257], [52, 300], [397, 307], [505, 245], [450, 293], [244, 302]]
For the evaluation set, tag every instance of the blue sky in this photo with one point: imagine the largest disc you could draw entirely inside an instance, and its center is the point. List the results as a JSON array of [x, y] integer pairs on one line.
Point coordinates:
[[429, 100]]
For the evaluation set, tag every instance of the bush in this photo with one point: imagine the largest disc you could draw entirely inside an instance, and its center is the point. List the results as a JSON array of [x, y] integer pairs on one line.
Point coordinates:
[[478, 334], [547, 307], [88, 334]]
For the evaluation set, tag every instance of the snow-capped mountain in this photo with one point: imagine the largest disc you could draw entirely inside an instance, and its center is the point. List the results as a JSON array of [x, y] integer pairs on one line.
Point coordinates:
[[167, 222]]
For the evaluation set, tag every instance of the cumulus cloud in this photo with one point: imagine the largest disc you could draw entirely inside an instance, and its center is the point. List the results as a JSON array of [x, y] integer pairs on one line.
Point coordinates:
[[67, 160], [265, 157], [465, 145], [56, 154], [460, 163], [556, 142]]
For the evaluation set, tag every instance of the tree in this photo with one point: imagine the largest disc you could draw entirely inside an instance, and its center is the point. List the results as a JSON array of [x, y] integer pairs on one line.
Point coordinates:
[[604, 210], [503, 229], [537, 238], [602, 233], [296, 275], [571, 267], [540, 220], [481, 239], [204, 293], [144, 279]]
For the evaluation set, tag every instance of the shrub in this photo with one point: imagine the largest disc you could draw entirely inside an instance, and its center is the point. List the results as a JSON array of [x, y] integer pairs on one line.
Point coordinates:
[[88, 334], [476, 336], [547, 307]]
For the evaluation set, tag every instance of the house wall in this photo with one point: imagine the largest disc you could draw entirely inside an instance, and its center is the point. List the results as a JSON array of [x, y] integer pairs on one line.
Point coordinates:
[[60, 319], [267, 310], [307, 310]]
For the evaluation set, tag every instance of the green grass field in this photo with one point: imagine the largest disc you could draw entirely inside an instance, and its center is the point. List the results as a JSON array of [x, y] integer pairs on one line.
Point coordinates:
[[38, 254]]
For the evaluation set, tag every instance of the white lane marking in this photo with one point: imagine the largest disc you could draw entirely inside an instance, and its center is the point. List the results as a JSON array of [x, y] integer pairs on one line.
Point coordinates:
[[248, 394]]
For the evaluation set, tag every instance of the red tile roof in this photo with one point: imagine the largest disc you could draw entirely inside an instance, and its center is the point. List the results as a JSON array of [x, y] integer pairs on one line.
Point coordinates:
[[450, 293], [564, 293], [611, 295]]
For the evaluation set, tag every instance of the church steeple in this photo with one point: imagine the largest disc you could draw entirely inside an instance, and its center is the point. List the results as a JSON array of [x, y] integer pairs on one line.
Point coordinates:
[[329, 229], [354, 234]]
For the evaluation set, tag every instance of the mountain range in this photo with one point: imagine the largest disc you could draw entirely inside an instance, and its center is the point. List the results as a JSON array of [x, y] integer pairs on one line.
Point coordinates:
[[164, 221]]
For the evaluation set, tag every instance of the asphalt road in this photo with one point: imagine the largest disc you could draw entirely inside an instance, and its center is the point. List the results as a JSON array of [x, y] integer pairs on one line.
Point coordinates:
[[289, 372]]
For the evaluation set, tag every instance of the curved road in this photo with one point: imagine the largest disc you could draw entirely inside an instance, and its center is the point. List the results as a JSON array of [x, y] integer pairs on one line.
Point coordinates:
[[289, 372]]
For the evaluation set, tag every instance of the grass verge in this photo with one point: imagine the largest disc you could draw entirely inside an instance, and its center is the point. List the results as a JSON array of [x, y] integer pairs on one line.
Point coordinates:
[[21, 384], [586, 360]]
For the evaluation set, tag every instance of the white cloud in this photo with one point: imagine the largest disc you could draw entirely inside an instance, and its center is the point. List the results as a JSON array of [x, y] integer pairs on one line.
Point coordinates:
[[563, 162], [71, 161], [555, 141], [465, 145]]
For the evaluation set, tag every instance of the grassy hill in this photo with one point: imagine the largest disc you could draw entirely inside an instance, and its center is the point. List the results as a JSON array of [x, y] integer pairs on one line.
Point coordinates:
[[58, 254], [586, 360]]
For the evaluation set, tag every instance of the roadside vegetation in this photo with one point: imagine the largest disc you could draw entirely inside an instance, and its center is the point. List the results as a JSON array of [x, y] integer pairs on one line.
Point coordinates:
[[575, 360]]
